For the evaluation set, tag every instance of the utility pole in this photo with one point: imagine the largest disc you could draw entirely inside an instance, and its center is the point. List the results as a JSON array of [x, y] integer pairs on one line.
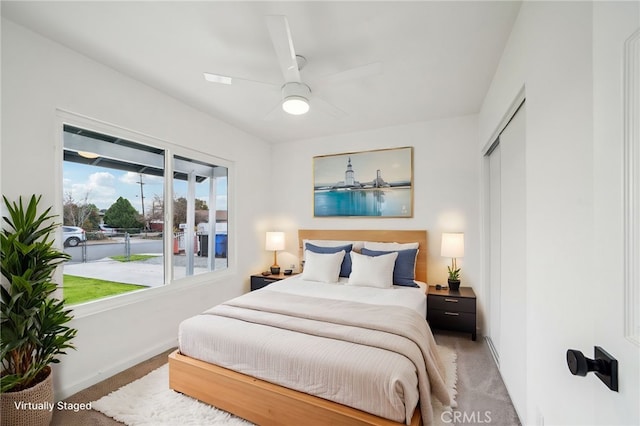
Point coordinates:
[[142, 199]]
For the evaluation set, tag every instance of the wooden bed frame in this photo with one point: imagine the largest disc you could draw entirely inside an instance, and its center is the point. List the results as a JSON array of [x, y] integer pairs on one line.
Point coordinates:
[[265, 403]]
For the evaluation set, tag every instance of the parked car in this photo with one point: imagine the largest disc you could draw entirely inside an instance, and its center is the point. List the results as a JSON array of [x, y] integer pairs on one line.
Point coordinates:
[[73, 235], [107, 230]]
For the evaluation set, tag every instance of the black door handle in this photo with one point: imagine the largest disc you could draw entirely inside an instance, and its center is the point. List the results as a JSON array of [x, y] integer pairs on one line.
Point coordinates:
[[604, 365]]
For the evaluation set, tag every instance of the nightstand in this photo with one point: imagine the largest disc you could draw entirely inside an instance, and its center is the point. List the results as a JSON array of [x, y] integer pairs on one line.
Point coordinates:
[[258, 280], [454, 310]]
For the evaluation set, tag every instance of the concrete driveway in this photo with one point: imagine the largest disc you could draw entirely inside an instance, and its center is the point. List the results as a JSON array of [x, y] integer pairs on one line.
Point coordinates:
[[148, 272]]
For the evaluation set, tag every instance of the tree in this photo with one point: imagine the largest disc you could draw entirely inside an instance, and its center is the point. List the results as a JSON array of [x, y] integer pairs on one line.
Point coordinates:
[[180, 209], [82, 214], [157, 208], [122, 214], [201, 204]]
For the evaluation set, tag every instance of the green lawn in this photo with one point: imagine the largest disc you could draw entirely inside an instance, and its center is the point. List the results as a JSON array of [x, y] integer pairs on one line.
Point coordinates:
[[133, 257], [82, 289]]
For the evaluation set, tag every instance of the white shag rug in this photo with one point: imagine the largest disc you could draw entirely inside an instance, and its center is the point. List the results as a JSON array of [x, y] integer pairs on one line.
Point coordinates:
[[148, 401]]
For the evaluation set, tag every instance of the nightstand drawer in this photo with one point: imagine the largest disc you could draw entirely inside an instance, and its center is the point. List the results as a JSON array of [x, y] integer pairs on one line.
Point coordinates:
[[259, 282], [451, 303], [452, 310], [451, 320]]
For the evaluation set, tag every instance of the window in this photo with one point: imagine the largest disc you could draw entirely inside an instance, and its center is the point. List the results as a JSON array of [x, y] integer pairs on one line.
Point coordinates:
[[199, 217], [117, 225]]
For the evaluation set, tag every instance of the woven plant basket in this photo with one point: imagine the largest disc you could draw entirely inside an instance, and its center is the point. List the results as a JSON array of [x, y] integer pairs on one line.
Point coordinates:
[[15, 413]]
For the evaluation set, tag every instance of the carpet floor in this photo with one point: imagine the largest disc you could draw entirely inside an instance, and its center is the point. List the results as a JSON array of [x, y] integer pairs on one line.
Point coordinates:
[[481, 393]]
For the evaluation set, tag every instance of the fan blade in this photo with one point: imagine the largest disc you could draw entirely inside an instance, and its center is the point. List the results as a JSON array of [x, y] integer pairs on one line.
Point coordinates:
[[352, 74], [326, 107], [225, 79], [275, 113], [217, 78], [283, 45]]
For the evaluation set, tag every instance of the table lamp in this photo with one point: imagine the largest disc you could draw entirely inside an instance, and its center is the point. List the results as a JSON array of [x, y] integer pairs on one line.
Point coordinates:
[[275, 242], [453, 247]]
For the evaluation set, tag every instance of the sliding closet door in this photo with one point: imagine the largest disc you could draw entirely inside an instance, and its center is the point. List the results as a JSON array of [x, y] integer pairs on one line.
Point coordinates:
[[506, 330], [513, 312], [494, 213]]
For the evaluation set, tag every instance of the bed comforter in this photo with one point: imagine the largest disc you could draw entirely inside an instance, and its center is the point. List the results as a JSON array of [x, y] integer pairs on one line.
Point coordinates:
[[306, 344]]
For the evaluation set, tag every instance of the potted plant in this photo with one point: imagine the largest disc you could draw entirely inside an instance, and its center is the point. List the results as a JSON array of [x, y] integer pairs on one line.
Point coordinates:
[[454, 278], [33, 330]]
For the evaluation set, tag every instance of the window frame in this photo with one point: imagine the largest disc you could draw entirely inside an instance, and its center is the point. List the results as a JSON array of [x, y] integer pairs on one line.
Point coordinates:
[[170, 150]]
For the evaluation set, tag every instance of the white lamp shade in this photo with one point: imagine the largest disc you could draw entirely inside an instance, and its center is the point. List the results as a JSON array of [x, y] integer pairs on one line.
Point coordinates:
[[274, 241], [452, 245]]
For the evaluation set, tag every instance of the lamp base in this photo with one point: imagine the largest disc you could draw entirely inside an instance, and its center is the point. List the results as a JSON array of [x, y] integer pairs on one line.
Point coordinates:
[[275, 270]]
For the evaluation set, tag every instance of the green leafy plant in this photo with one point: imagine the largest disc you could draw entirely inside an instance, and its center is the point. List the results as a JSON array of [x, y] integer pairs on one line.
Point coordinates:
[[454, 274], [32, 330]]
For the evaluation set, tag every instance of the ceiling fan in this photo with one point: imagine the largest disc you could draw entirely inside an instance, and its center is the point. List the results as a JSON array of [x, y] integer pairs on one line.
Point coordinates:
[[296, 94]]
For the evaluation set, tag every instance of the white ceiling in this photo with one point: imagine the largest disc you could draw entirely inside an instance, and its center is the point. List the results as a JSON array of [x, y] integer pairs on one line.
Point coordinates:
[[438, 58]]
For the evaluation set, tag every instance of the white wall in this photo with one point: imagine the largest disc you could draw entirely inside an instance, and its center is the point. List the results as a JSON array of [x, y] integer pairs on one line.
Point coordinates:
[[446, 187], [38, 77], [550, 53]]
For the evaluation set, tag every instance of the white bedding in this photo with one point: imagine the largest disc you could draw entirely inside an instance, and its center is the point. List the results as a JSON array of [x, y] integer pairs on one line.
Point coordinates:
[[410, 297], [382, 382]]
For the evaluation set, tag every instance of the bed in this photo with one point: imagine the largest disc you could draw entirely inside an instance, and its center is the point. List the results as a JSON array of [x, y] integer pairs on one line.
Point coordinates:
[[238, 356]]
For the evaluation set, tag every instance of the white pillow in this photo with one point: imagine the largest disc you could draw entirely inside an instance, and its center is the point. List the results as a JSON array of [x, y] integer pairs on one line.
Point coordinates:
[[372, 271], [390, 246], [322, 267]]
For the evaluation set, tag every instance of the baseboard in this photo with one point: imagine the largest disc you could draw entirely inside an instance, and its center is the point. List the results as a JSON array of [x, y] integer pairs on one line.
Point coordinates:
[[494, 353], [67, 391]]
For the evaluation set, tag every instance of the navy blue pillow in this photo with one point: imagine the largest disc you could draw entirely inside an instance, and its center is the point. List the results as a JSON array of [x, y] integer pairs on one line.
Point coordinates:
[[404, 269], [345, 268]]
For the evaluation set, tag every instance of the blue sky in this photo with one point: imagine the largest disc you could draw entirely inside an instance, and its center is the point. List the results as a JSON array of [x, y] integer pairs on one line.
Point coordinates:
[[102, 187]]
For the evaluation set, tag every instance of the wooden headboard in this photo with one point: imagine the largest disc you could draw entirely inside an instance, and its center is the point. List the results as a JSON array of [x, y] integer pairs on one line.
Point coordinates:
[[387, 236]]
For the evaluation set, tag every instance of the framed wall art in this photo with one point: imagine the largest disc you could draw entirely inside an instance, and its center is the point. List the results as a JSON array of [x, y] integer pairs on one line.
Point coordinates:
[[376, 183]]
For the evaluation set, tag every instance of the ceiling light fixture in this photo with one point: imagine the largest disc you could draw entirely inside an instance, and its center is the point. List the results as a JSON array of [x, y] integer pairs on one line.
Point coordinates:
[[295, 98], [87, 154], [295, 105]]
